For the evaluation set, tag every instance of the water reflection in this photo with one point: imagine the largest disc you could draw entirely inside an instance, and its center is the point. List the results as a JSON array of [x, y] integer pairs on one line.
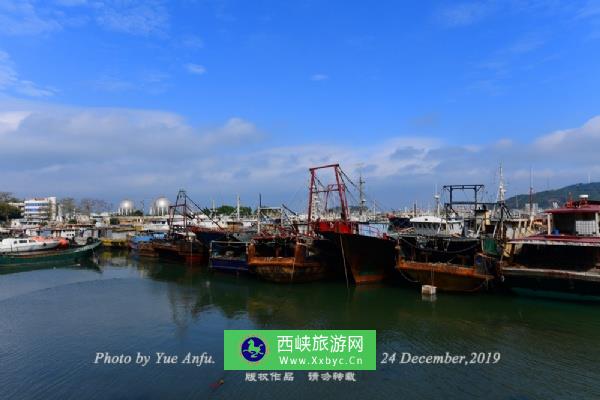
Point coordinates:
[[61, 316], [332, 304]]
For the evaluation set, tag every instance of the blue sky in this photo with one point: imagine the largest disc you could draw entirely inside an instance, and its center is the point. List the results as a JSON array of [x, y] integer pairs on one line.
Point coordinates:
[[136, 99]]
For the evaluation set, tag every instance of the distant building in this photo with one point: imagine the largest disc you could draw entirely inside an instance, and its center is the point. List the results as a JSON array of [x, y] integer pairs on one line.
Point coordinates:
[[39, 210]]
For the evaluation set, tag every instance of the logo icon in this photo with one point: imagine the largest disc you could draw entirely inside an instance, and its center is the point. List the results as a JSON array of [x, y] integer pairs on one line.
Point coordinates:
[[253, 349]]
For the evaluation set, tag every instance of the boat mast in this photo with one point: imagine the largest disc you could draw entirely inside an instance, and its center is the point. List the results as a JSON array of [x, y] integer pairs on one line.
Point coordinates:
[[258, 212], [314, 191], [501, 188], [361, 191], [531, 194]]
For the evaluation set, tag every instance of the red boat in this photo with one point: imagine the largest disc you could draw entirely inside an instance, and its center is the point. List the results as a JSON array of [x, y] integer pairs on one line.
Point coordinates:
[[365, 258]]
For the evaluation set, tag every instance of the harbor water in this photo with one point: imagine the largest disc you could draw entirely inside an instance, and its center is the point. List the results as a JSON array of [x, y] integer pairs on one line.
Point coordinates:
[[53, 322]]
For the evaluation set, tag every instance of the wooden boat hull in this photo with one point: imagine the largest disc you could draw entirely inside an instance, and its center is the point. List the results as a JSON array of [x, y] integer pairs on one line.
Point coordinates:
[[367, 259], [181, 251], [444, 276], [75, 254], [306, 263], [285, 270], [146, 250]]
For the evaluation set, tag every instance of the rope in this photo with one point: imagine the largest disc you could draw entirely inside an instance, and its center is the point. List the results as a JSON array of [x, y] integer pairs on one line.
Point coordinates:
[[344, 260], [293, 265], [406, 277]]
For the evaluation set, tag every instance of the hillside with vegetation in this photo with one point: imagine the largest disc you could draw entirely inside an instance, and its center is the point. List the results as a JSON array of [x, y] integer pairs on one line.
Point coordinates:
[[545, 198]]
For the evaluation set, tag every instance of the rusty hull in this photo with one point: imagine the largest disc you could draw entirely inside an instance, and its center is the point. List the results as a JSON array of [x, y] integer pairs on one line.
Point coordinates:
[[445, 276]]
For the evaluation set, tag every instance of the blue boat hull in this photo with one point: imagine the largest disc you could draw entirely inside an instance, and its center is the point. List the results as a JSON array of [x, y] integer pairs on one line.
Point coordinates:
[[232, 265]]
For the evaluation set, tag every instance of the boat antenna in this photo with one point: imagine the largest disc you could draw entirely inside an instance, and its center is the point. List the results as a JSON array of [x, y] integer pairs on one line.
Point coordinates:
[[361, 190], [531, 192], [259, 212], [501, 188]]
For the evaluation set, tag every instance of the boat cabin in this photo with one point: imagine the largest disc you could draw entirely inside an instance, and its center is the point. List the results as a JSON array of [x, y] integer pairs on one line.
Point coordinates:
[[576, 218], [428, 225], [572, 240]]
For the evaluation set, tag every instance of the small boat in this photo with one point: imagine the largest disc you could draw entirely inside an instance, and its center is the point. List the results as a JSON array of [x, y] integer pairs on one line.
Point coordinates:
[[135, 241], [141, 245], [24, 245], [71, 254], [228, 256]]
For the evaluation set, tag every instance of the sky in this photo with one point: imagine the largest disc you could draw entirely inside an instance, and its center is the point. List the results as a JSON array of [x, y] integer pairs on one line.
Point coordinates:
[[137, 99]]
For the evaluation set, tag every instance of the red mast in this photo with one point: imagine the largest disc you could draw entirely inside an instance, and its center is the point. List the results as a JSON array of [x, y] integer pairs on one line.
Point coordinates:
[[339, 186]]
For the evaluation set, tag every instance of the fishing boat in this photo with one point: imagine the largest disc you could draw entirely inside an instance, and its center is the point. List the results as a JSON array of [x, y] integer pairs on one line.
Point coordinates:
[[443, 251], [563, 262], [71, 254], [25, 245], [441, 259], [182, 243], [367, 254], [292, 258], [141, 245], [366, 258], [228, 255], [182, 247], [146, 249]]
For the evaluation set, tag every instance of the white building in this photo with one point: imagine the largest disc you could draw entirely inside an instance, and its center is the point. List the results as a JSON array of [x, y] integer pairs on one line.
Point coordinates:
[[39, 210]]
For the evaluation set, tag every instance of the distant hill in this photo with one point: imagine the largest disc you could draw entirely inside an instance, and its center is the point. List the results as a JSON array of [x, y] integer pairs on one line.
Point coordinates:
[[547, 197]]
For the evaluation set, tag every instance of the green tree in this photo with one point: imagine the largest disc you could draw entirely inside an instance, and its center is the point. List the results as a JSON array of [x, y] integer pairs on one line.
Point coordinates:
[[68, 205], [8, 211]]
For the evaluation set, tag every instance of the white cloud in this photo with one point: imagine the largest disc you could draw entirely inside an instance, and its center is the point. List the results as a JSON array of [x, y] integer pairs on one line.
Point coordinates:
[[115, 152], [34, 17], [11, 120], [196, 69], [135, 17], [319, 77], [10, 81], [26, 18], [586, 137], [463, 14]]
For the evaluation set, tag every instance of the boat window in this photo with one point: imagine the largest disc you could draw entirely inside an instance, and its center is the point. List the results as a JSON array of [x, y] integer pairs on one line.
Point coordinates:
[[22, 241]]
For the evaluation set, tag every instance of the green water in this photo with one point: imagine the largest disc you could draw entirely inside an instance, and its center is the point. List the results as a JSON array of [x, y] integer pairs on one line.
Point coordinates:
[[54, 320]]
